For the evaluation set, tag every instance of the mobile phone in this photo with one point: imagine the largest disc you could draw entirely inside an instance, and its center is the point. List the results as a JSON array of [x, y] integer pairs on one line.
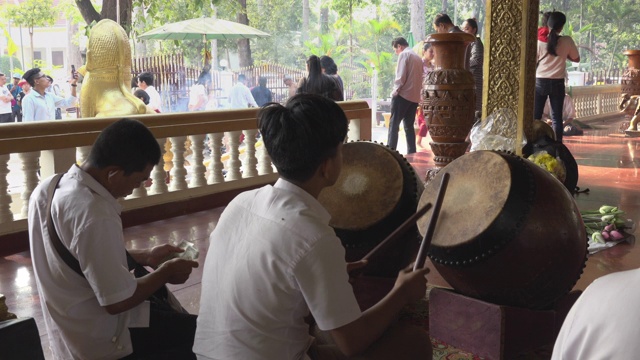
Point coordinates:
[[73, 72]]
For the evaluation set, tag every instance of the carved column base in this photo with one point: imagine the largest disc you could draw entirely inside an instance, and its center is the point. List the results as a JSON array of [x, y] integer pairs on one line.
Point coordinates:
[[447, 152]]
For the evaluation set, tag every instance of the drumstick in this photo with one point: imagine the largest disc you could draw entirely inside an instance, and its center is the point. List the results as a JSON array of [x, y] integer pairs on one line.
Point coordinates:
[[426, 241], [399, 231]]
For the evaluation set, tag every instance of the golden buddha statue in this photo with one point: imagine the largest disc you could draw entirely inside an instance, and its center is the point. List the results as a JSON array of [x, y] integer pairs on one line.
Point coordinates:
[[105, 87]]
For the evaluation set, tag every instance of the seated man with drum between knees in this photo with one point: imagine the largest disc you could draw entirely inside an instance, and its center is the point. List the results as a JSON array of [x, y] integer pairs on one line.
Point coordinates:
[[273, 258]]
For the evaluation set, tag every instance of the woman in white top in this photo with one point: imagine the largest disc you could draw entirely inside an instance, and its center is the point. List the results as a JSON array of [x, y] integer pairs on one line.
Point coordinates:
[[551, 70]]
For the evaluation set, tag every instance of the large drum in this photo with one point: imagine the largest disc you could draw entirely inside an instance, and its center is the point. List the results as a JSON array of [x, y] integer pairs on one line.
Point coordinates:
[[508, 231], [376, 192]]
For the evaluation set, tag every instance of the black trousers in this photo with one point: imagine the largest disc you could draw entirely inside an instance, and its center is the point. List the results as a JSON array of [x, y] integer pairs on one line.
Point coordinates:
[[170, 335]]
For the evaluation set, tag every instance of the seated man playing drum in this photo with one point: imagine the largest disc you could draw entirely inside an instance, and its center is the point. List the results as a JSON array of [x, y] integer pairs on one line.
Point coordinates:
[[273, 258]]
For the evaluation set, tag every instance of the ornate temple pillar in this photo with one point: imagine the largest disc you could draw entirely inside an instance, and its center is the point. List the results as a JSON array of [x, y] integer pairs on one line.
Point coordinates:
[[510, 60]]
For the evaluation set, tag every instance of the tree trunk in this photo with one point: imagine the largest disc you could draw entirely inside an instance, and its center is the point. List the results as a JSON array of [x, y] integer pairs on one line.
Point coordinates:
[[110, 11], [324, 19], [33, 51], [445, 5], [88, 12], [244, 48], [417, 20], [74, 57], [305, 20]]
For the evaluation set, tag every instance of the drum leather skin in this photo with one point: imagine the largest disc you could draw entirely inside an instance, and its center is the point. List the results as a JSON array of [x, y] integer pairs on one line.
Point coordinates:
[[508, 231], [376, 192]]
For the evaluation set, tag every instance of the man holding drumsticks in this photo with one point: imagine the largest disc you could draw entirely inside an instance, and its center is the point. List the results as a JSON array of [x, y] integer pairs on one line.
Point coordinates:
[[273, 258]]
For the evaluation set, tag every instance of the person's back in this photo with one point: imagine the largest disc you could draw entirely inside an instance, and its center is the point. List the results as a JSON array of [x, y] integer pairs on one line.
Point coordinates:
[[287, 237], [603, 323], [240, 96], [260, 93]]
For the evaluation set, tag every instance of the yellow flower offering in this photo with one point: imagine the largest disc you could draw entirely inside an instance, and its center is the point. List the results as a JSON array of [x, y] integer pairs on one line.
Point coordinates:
[[553, 165]]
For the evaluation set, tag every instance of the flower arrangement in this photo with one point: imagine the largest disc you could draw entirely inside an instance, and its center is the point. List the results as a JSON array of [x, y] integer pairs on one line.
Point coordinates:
[[552, 164], [606, 224]]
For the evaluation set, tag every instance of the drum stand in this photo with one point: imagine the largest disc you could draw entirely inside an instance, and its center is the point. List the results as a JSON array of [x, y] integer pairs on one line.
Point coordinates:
[[494, 331]]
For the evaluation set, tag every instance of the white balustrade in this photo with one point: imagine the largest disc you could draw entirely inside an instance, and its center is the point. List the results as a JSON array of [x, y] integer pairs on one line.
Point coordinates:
[[264, 161], [215, 164], [197, 161], [5, 198], [233, 148], [82, 153], [178, 171], [158, 174], [249, 166], [30, 167]]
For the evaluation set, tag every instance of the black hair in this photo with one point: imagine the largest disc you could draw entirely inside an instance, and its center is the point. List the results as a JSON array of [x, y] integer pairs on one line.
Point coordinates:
[[399, 41], [302, 134], [30, 74], [556, 23], [442, 19], [426, 46], [474, 24], [204, 77], [262, 81], [126, 143], [329, 66], [242, 77], [147, 77], [134, 82], [142, 95], [316, 82], [545, 17]]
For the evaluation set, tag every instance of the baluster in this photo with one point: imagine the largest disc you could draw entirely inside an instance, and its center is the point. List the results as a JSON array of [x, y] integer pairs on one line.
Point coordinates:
[[5, 198], [249, 167], [158, 174], [197, 162], [82, 153], [178, 172], [234, 155], [215, 165], [264, 161], [30, 167], [140, 191]]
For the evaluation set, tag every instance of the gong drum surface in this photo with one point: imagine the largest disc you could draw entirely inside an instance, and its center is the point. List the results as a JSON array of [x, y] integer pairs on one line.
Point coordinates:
[[377, 190], [508, 232]]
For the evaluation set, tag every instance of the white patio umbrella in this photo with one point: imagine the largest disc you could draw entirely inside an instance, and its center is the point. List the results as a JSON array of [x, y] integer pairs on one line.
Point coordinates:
[[203, 28]]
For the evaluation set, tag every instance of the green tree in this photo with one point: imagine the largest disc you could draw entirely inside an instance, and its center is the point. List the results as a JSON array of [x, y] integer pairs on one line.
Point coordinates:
[[32, 13]]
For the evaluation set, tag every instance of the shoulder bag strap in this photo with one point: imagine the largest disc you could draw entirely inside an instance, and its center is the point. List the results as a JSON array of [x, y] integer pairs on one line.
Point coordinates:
[[64, 253], [542, 58]]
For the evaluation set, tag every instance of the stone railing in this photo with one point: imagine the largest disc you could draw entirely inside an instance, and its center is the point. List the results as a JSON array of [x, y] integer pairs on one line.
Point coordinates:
[[595, 102], [33, 151]]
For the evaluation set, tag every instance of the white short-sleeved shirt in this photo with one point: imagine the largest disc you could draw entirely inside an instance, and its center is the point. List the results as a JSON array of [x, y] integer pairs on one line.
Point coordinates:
[[603, 323], [87, 220], [37, 107], [155, 101], [554, 67], [568, 109], [5, 107], [240, 97], [272, 257]]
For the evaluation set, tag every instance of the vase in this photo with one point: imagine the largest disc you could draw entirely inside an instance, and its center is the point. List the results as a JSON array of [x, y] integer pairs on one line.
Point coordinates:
[[630, 81], [448, 94]]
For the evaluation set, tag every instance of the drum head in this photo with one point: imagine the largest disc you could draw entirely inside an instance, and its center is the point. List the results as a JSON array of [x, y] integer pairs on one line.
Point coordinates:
[[478, 188], [368, 189]]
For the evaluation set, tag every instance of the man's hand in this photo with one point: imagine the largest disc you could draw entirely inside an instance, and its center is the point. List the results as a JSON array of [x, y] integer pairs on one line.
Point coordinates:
[[356, 265], [412, 284], [178, 270], [159, 254]]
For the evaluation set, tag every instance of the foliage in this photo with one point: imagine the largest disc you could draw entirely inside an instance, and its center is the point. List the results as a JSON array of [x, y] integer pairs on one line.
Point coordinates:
[[32, 13], [5, 67]]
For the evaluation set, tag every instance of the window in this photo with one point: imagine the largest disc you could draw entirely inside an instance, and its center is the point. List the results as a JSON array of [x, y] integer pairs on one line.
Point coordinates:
[[57, 57], [37, 55]]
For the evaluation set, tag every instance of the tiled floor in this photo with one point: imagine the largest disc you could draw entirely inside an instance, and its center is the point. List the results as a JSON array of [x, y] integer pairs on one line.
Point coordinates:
[[608, 166]]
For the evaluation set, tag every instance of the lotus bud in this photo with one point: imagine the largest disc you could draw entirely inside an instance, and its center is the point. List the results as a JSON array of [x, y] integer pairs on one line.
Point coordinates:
[[606, 236], [606, 209], [597, 237], [610, 227], [608, 218], [616, 235]]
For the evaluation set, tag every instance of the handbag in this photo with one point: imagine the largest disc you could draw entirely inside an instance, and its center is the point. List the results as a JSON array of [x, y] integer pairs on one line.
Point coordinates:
[[162, 299]]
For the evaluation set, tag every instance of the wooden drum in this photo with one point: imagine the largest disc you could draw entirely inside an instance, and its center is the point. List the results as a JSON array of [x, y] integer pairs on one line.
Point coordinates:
[[508, 231], [376, 192]]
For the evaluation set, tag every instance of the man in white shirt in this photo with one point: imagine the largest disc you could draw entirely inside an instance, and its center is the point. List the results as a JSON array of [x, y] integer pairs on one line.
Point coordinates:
[[240, 96], [145, 82], [603, 323], [273, 258], [405, 95], [97, 310], [5, 101], [41, 105]]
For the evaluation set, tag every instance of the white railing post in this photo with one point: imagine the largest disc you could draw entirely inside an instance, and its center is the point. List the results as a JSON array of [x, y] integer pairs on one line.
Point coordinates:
[[6, 215], [30, 167], [178, 171], [374, 97], [233, 144], [158, 174], [197, 161], [215, 164], [249, 167]]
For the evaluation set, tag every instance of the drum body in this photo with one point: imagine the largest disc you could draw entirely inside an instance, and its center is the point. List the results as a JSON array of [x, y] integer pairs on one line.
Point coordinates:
[[508, 231], [376, 192]]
